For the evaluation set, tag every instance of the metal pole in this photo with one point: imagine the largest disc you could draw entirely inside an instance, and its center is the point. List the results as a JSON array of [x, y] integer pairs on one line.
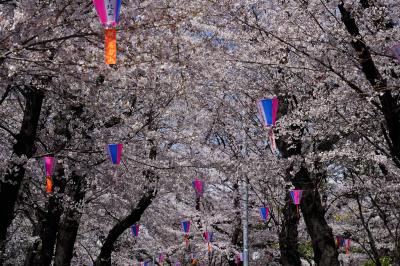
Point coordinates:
[[245, 223]]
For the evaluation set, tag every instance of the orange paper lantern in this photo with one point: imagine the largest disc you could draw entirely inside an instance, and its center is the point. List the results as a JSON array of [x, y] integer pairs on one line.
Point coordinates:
[[111, 46]]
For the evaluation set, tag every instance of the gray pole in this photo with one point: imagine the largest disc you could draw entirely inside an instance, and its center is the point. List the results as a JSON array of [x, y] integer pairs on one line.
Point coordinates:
[[245, 223]]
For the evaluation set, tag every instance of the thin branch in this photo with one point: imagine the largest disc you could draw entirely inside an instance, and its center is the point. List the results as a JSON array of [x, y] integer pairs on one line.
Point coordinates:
[[8, 131], [5, 94]]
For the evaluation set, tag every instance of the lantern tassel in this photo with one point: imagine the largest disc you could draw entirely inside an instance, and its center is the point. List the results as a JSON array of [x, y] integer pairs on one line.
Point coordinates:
[[49, 184], [186, 239], [110, 46]]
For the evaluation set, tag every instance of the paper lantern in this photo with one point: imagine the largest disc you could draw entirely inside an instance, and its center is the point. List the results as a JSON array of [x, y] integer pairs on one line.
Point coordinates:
[[198, 187], [108, 12], [268, 109], [135, 229], [264, 212], [296, 197], [115, 152], [49, 164], [185, 225]]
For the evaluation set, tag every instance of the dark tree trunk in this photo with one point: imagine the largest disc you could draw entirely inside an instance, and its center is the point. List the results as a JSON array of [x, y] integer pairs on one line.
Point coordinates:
[[68, 229], [396, 252], [325, 251], [25, 145], [41, 255], [391, 111], [48, 223], [288, 241], [104, 258], [390, 105], [288, 236]]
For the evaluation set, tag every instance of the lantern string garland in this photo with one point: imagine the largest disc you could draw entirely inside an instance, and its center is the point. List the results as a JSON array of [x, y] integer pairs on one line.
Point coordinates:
[[108, 12], [49, 164], [268, 109]]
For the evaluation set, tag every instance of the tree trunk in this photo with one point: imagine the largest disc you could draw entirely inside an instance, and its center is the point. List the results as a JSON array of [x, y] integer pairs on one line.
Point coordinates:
[[104, 258], [389, 104], [69, 226], [41, 255], [24, 146], [325, 251], [288, 241], [288, 236], [390, 109], [396, 253]]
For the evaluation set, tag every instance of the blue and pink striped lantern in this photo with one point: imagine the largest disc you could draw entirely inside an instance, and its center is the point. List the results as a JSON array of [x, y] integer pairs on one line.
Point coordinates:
[[185, 225], [115, 152], [198, 186], [49, 165], [108, 12], [268, 109], [296, 197], [135, 229], [343, 242], [264, 212], [208, 237], [396, 51], [339, 241]]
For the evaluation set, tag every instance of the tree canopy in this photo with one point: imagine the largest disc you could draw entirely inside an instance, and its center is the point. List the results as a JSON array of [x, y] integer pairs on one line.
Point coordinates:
[[182, 99]]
